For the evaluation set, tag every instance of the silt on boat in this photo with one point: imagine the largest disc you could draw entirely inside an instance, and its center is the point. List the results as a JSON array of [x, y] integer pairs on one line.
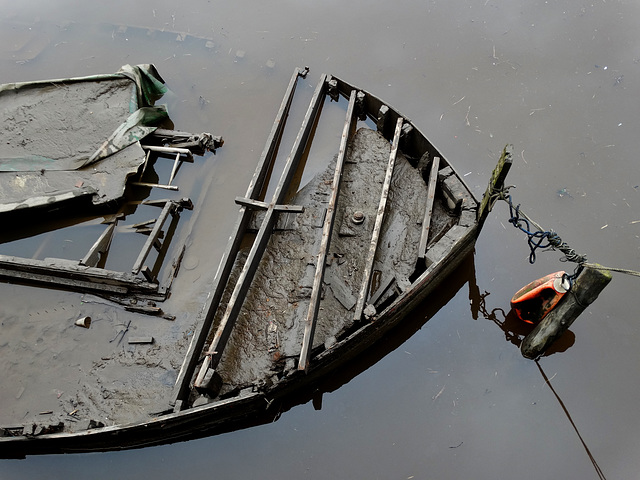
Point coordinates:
[[311, 278]]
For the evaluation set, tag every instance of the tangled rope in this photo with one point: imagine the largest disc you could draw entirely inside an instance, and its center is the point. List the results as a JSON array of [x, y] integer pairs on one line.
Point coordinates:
[[537, 238]]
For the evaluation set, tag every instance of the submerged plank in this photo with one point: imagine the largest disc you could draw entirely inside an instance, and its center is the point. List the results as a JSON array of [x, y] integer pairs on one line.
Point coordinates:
[[169, 208], [72, 274], [100, 247]]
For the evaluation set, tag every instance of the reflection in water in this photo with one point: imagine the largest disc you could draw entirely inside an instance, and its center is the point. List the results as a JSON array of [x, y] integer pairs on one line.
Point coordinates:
[[575, 427], [442, 294], [515, 330]]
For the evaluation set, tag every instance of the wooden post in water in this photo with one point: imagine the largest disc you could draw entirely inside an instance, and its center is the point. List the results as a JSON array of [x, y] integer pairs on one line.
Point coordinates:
[[587, 287], [496, 183]]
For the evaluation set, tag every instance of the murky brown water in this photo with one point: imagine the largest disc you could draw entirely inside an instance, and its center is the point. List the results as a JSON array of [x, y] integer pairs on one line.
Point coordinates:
[[559, 80]]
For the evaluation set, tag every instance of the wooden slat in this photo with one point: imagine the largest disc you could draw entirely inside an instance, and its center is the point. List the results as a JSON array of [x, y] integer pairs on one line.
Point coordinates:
[[168, 208], [72, 274], [243, 283], [431, 193], [226, 264], [300, 142], [270, 149], [314, 303], [366, 275], [258, 205]]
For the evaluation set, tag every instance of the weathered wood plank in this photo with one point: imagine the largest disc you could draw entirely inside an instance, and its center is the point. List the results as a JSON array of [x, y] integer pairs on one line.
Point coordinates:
[[226, 263], [227, 322], [431, 194], [327, 229], [366, 275], [258, 205], [585, 290], [71, 273]]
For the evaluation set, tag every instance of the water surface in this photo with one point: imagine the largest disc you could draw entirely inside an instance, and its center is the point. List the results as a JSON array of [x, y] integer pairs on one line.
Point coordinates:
[[558, 80]]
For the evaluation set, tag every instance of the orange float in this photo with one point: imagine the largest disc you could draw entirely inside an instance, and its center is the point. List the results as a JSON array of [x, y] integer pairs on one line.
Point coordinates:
[[534, 301]]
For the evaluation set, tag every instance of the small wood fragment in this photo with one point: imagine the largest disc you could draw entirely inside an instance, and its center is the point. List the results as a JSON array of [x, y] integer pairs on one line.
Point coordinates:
[[140, 340]]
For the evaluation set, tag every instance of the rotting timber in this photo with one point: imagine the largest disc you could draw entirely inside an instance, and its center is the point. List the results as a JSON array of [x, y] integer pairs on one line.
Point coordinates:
[[76, 146], [311, 278]]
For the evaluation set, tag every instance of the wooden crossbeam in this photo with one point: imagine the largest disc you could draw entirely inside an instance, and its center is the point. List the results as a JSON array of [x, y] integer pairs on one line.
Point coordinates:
[[258, 205], [327, 229], [373, 246]]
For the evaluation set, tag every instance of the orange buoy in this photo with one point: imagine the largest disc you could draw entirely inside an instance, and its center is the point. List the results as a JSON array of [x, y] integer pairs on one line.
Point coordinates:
[[532, 302]]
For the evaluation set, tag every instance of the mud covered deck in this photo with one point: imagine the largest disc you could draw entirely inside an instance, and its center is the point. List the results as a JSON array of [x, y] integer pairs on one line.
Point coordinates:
[[266, 341]]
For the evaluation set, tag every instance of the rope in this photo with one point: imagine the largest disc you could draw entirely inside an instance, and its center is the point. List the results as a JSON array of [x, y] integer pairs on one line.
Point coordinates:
[[537, 238]]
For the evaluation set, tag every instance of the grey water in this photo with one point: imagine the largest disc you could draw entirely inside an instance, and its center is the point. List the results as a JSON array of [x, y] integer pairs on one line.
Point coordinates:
[[557, 79]]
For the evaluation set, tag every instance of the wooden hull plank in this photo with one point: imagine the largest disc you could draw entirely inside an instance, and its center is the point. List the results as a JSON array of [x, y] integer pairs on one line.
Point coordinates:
[[214, 353]]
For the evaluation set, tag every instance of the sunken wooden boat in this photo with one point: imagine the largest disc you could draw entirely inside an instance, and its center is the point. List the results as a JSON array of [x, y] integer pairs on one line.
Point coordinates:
[[311, 277]]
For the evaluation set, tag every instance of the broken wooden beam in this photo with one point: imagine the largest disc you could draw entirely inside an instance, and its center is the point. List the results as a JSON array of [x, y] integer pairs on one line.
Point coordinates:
[[169, 208], [496, 184], [100, 247], [71, 274], [327, 229], [431, 194]]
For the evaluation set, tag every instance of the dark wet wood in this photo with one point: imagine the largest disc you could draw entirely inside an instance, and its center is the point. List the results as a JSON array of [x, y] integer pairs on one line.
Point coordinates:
[[314, 302], [431, 193], [585, 290], [366, 278], [496, 183], [73, 275]]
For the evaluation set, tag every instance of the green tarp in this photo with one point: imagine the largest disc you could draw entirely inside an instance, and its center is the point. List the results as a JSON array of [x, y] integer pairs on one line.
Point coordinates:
[[67, 124]]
